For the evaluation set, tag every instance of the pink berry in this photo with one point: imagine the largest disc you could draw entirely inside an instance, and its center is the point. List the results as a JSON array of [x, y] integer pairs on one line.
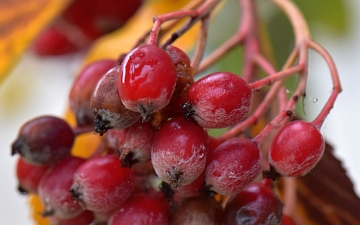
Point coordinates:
[[147, 80], [219, 100], [296, 148], [54, 189], [141, 209], [235, 163], [101, 184], [179, 151]]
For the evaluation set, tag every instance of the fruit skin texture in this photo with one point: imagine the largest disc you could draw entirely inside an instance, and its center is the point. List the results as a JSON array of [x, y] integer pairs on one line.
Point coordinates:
[[256, 204], [44, 140], [197, 211], [109, 111], [219, 100], [82, 89], [296, 148], [147, 79], [141, 209], [54, 189], [235, 163], [101, 184], [179, 151], [29, 176]]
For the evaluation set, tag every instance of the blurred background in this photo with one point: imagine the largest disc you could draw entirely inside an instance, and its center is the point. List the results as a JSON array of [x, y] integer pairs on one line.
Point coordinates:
[[40, 85]]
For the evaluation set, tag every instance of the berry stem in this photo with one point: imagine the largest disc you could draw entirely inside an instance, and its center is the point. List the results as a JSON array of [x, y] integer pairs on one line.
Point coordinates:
[[195, 15], [318, 121], [201, 43]]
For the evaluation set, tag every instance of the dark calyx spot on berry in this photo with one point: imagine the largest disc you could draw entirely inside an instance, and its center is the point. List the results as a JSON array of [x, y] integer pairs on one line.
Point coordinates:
[[100, 125], [75, 192], [145, 112], [207, 192], [188, 110], [175, 177], [127, 160], [22, 191], [271, 174], [17, 147], [168, 192]]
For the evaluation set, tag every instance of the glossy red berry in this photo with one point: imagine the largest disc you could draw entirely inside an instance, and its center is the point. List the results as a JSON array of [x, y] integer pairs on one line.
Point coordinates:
[[29, 176], [179, 151], [82, 89], [44, 140], [109, 111], [235, 163], [54, 189], [101, 184], [147, 80], [141, 209], [255, 204], [219, 100], [296, 148]]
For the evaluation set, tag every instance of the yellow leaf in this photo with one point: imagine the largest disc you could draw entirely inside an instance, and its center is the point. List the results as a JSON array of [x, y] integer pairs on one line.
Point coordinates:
[[20, 22], [124, 39]]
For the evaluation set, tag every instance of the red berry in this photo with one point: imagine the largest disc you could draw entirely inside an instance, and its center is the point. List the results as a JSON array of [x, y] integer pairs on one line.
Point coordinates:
[[147, 80], [54, 189], [197, 210], [179, 151], [29, 176], [85, 218], [235, 163], [54, 41], [134, 143], [82, 89], [296, 148], [109, 111], [101, 184], [44, 140], [141, 209], [286, 220], [219, 100], [255, 204]]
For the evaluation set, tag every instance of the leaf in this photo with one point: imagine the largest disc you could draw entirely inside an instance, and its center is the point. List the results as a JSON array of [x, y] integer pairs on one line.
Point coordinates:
[[330, 13], [326, 194], [20, 22]]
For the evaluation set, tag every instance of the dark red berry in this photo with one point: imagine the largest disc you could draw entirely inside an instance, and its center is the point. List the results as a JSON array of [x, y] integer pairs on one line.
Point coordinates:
[[44, 140]]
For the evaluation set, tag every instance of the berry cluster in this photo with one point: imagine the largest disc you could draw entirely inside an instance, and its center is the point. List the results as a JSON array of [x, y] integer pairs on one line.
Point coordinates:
[[157, 162]]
